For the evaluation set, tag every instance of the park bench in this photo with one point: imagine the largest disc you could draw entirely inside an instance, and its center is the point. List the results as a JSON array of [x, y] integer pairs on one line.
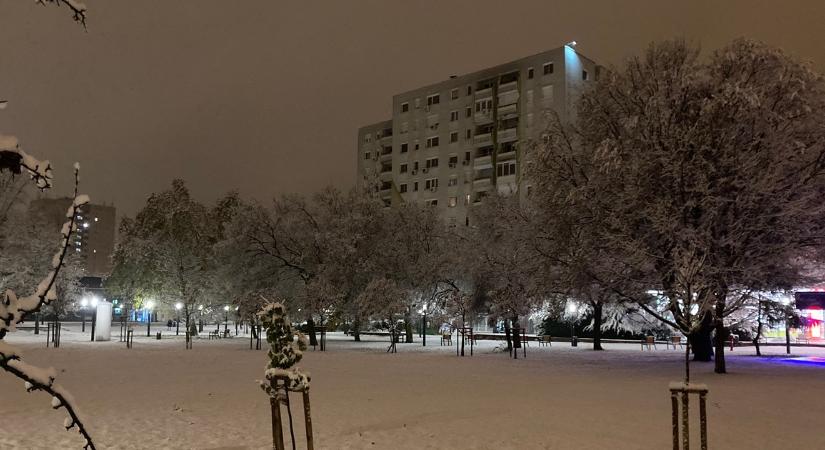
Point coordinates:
[[649, 341], [545, 339], [802, 340], [215, 334], [674, 341], [446, 338]]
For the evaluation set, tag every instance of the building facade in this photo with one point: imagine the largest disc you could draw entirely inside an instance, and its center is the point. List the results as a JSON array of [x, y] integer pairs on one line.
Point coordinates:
[[95, 237], [450, 144]]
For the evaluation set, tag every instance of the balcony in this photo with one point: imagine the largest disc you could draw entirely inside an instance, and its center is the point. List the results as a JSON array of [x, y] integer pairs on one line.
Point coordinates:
[[507, 135], [483, 162], [483, 139], [483, 117], [508, 110], [509, 86], [506, 98], [505, 154], [480, 184], [486, 92]]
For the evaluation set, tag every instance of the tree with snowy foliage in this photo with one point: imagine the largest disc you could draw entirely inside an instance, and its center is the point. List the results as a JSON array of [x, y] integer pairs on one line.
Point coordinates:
[[706, 177]]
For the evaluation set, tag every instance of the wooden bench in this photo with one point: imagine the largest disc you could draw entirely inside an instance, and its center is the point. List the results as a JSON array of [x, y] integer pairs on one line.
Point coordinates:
[[649, 341], [674, 341], [215, 334], [545, 339], [446, 339]]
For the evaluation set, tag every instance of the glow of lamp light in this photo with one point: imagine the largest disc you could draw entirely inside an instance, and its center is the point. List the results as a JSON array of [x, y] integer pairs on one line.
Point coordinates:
[[84, 302], [226, 308], [150, 304], [178, 306], [94, 301]]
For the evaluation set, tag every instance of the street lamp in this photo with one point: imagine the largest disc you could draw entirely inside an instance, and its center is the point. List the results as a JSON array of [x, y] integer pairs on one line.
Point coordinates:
[[178, 306], [84, 302], [200, 318], [225, 319], [572, 308], [424, 325], [149, 305]]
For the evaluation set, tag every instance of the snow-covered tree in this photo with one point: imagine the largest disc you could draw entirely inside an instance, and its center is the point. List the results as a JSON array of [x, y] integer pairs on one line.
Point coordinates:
[[706, 177]]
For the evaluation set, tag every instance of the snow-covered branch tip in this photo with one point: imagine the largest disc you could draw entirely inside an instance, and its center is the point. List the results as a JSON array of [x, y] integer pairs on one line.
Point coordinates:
[[14, 309], [78, 8]]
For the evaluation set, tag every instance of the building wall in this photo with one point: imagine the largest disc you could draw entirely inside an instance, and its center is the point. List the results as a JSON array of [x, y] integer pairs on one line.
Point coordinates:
[[473, 156], [95, 239]]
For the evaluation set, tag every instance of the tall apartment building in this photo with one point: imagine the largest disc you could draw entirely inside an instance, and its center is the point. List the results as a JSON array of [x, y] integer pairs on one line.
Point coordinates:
[[95, 237], [451, 143]]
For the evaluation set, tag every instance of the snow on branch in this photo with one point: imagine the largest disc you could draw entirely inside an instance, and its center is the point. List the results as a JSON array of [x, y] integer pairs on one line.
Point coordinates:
[[13, 309], [78, 8]]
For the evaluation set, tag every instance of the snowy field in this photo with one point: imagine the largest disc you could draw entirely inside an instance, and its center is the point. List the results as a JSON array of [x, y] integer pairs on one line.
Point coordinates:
[[160, 396]]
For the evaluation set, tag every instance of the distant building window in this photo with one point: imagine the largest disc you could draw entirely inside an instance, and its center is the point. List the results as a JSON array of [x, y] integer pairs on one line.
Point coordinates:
[[416, 145], [368, 138], [402, 188], [402, 168], [469, 111], [454, 94], [469, 90], [453, 137], [432, 202], [530, 73], [467, 155], [507, 168], [432, 142], [405, 107], [433, 99], [367, 155], [431, 162], [469, 133], [431, 184], [404, 147], [415, 187], [548, 68], [451, 202], [453, 181], [584, 75], [453, 116], [415, 165]]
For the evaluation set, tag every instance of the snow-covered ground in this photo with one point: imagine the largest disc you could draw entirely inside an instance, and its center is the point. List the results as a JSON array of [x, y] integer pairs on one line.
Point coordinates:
[[159, 395]]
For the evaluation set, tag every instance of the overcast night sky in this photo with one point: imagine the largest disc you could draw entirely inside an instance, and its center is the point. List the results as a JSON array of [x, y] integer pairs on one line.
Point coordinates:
[[266, 96]]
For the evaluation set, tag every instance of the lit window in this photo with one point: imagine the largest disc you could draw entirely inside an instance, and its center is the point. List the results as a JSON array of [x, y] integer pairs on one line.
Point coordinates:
[[451, 202]]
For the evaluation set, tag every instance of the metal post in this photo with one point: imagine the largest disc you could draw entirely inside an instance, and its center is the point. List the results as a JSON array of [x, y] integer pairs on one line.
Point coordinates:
[[424, 331], [149, 324], [82, 320]]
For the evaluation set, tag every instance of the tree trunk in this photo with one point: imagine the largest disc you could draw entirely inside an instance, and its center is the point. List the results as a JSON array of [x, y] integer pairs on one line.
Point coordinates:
[[313, 340], [722, 334], [356, 332], [507, 335], [758, 329], [408, 327], [597, 325], [700, 341]]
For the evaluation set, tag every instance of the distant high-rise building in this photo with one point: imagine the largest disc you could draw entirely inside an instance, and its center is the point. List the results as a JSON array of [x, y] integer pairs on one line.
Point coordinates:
[[451, 143], [95, 237]]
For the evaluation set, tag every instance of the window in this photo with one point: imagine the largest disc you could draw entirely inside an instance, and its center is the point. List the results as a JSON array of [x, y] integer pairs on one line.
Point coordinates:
[[368, 138], [367, 155], [584, 75], [451, 202], [415, 187], [530, 73], [432, 142], [405, 107], [431, 184], [416, 145], [402, 188], [433, 99], [469, 90], [454, 94], [484, 106], [404, 147], [453, 116], [507, 168], [402, 168], [431, 162], [415, 165], [432, 202], [469, 111], [453, 181], [467, 202], [453, 137], [469, 134], [466, 156], [548, 68]]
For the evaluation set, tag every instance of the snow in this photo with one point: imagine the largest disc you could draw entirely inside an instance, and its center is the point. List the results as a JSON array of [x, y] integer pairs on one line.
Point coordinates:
[[159, 395]]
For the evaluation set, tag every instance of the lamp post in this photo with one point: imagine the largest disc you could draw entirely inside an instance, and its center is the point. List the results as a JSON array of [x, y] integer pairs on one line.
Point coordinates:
[[149, 305], [178, 306], [84, 302], [424, 326], [94, 316], [225, 319], [200, 318], [572, 308]]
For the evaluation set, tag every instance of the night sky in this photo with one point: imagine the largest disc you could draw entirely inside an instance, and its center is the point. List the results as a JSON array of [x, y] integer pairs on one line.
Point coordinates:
[[266, 96]]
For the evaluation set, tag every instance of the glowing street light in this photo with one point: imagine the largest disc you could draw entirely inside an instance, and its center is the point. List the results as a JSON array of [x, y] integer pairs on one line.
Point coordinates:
[[573, 309], [149, 305], [226, 320], [178, 307]]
